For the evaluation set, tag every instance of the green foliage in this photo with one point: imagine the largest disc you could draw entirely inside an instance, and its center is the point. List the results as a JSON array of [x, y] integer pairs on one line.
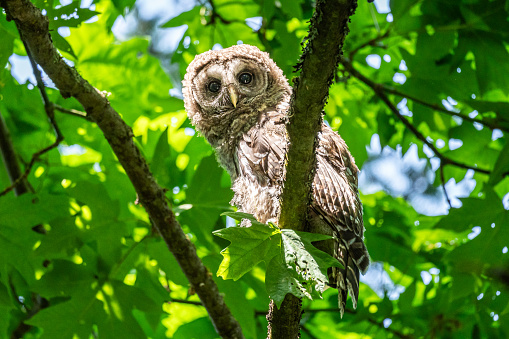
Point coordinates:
[[294, 265], [300, 268], [100, 270], [249, 246]]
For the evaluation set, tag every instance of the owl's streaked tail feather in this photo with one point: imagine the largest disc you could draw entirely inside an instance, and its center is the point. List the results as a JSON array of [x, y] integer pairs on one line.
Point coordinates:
[[346, 279], [351, 253], [359, 253]]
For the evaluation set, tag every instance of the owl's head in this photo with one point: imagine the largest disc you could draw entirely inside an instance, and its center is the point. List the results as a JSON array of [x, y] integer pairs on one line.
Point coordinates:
[[226, 90]]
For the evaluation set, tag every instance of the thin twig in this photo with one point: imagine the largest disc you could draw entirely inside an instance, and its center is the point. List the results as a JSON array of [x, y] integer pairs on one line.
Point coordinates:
[[183, 301], [49, 107], [124, 257], [50, 112], [379, 90], [71, 111], [35, 157], [442, 177], [215, 15], [395, 332], [373, 42], [391, 90], [10, 159], [441, 109]]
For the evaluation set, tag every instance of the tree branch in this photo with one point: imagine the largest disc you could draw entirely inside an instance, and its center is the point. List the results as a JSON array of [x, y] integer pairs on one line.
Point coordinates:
[[28, 169], [49, 109], [183, 301], [375, 42], [317, 65], [21, 185], [71, 111], [443, 110], [34, 30], [10, 159], [380, 91], [442, 178]]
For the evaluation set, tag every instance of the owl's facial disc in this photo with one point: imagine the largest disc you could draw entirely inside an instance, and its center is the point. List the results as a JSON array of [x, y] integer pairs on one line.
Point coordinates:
[[225, 86], [249, 78]]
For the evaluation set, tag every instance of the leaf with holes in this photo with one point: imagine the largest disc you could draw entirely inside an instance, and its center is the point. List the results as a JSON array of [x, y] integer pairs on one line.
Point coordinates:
[[301, 269]]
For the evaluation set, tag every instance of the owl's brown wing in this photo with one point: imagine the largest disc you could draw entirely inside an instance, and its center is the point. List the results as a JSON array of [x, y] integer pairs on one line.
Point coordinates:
[[336, 202], [336, 208]]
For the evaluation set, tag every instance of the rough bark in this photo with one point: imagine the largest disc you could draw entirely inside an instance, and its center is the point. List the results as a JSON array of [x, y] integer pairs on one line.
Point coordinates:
[[319, 61], [285, 321], [33, 29], [322, 52]]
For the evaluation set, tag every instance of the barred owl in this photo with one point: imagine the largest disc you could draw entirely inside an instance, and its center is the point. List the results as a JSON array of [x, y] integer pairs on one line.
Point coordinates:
[[239, 99]]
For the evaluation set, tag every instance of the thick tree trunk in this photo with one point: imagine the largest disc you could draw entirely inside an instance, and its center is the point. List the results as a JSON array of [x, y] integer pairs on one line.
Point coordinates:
[[327, 31], [285, 321]]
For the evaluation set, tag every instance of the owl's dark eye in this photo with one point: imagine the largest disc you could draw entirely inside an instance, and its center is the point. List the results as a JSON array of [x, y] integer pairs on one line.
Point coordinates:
[[245, 78], [214, 86]]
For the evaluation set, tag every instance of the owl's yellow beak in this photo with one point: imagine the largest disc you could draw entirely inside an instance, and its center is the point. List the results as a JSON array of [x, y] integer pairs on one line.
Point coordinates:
[[233, 95]]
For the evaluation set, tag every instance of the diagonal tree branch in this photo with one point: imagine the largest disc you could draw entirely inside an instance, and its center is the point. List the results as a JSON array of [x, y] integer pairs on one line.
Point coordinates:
[[380, 91], [322, 51], [33, 28], [375, 42], [443, 110]]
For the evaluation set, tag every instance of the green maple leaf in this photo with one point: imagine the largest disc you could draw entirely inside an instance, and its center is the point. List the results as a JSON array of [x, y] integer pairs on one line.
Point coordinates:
[[294, 264], [301, 269], [249, 246]]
